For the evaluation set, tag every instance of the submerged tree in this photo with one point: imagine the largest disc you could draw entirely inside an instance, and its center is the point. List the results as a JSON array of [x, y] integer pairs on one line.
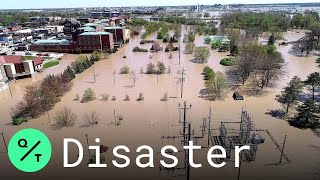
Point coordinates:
[[247, 60], [208, 73], [189, 48], [88, 95], [133, 78], [290, 95], [216, 86], [202, 54], [308, 115], [313, 81], [269, 66], [161, 68], [64, 118], [92, 118]]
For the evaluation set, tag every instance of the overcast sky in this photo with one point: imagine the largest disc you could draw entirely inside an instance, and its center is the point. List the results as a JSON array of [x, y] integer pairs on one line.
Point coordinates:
[[34, 4]]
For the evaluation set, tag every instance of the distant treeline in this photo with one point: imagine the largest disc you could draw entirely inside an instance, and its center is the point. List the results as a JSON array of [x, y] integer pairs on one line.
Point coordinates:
[[269, 21], [8, 18]]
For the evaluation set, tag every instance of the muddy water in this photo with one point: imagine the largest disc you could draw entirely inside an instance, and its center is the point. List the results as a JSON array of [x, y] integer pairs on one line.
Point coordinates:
[[146, 121]]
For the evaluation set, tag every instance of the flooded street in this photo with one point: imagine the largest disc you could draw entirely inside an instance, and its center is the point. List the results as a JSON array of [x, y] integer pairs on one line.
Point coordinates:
[[145, 122]]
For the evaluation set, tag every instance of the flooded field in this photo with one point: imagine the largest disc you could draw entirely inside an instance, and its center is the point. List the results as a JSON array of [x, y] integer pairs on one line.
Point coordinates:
[[145, 122]]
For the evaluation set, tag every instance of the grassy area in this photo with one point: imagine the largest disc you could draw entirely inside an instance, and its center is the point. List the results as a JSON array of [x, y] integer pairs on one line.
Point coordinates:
[[227, 62], [28, 57], [32, 57], [50, 64]]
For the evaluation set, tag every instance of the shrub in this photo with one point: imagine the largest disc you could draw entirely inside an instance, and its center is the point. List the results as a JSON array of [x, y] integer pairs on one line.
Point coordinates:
[[151, 68], [88, 95], [113, 98], [105, 97], [97, 55], [156, 47], [127, 98], [77, 97], [161, 67], [164, 97], [143, 41], [227, 62], [119, 117], [64, 118], [18, 120], [138, 49], [92, 118], [124, 70], [50, 64], [141, 97]]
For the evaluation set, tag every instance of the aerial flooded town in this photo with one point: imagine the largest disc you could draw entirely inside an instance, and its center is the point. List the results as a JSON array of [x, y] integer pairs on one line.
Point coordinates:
[[227, 75]]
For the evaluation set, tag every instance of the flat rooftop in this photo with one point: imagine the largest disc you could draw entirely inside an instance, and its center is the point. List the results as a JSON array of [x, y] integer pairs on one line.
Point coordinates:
[[94, 33]]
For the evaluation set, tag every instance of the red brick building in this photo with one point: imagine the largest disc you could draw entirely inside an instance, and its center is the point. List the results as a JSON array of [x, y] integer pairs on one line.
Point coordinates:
[[85, 42]]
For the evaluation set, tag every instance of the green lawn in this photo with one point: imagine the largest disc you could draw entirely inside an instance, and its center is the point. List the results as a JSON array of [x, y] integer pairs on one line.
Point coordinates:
[[50, 64], [32, 57], [28, 57]]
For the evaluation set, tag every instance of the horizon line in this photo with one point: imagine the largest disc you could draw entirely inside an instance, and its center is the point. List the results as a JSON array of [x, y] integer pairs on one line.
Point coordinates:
[[161, 6]]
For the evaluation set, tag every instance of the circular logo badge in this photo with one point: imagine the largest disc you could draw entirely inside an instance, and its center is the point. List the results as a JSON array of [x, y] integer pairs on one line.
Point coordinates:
[[29, 150]]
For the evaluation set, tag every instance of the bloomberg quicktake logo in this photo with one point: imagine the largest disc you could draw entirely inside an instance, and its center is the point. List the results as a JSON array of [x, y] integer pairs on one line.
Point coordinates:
[[30, 150]]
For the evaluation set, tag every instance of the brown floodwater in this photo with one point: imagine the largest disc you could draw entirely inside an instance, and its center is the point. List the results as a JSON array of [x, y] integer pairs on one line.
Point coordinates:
[[147, 121]]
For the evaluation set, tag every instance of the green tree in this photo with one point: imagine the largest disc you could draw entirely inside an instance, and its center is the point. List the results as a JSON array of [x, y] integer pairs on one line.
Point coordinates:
[[313, 81], [88, 95], [189, 48], [308, 115], [97, 55], [151, 68], [161, 68], [216, 86], [208, 73], [202, 54], [290, 95], [191, 37], [69, 73]]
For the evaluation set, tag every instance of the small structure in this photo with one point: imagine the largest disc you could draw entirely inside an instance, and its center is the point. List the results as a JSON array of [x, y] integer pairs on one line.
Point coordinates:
[[214, 39], [15, 67], [237, 96]]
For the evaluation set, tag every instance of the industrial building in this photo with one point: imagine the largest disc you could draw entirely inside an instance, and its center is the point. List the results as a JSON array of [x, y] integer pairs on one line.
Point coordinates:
[[120, 35], [85, 42]]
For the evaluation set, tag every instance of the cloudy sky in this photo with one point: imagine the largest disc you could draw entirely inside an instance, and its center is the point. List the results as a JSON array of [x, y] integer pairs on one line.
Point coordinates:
[[21, 4]]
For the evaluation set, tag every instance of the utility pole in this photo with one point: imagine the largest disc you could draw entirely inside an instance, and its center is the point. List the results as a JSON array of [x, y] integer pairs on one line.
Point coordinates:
[[184, 120], [88, 143], [209, 127], [282, 150], [239, 170], [4, 141], [179, 52], [182, 80]]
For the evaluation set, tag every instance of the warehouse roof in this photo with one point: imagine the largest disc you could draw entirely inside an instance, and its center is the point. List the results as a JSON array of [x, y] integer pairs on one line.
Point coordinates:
[[94, 33], [52, 42]]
